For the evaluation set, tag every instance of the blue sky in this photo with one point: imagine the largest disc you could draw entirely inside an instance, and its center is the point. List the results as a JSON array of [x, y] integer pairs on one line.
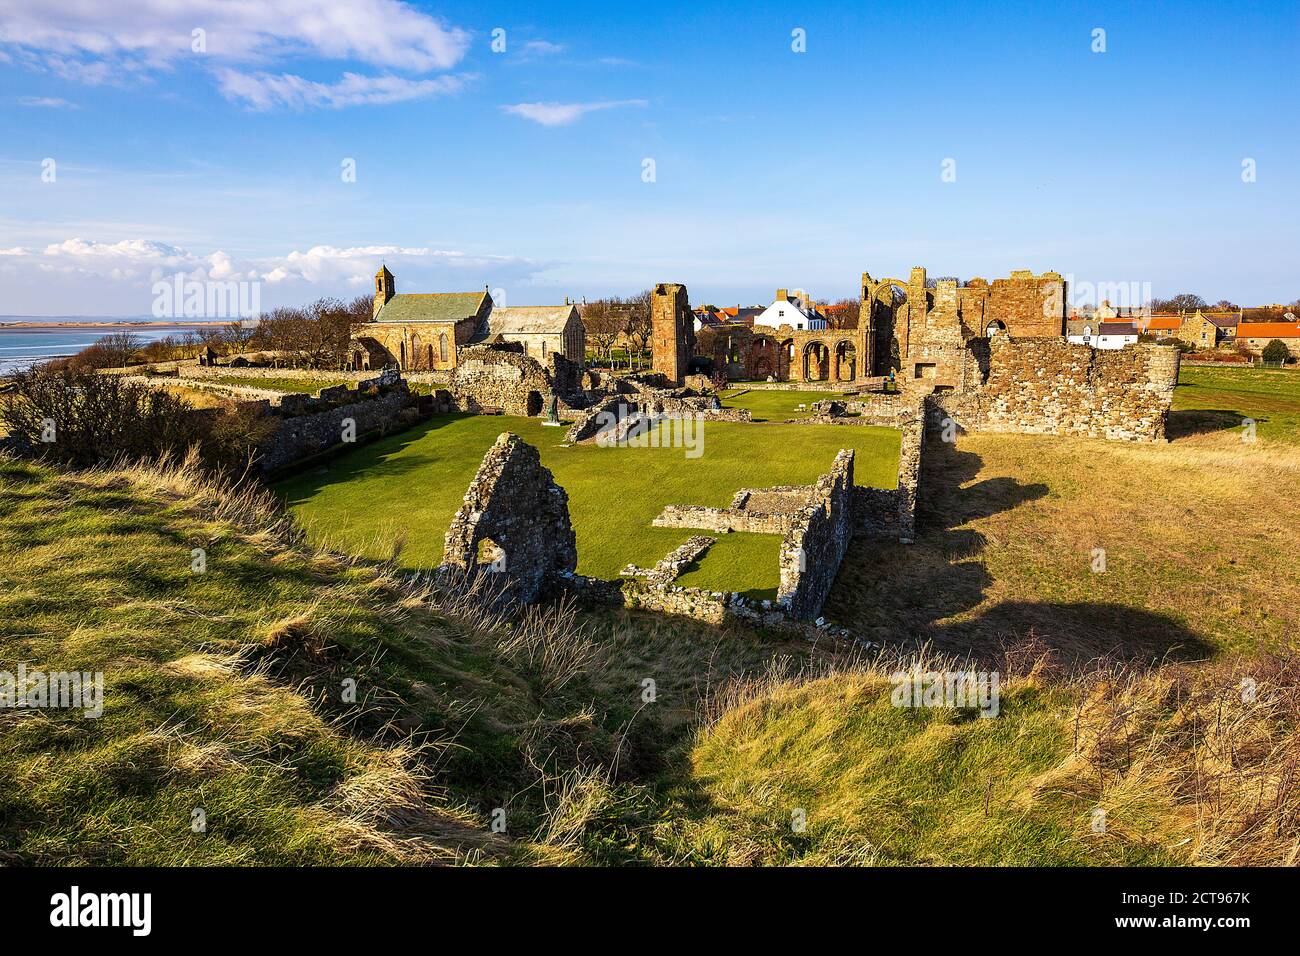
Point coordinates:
[[523, 170]]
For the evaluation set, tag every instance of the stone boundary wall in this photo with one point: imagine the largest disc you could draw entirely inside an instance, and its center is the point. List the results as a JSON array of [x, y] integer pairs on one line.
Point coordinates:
[[813, 548], [723, 520], [309, 430], [308, 375], [891, 512]]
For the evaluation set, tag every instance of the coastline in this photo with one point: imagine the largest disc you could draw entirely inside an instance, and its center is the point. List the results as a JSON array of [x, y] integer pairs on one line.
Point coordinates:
[[120, 324]]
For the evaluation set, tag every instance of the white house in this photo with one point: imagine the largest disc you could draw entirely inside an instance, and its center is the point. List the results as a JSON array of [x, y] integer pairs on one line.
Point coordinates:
[[796, 311], [1101, 335]]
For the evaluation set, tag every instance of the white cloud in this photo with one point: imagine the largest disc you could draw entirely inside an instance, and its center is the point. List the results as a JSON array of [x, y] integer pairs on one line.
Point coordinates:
[[319, 270], [99, 43], [263, 91], [543, 47], [562, 114], [47, 102], [386, 33]]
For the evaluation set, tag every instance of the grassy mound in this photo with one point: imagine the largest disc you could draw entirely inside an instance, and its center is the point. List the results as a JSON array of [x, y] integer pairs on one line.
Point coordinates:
[[1169, 767]]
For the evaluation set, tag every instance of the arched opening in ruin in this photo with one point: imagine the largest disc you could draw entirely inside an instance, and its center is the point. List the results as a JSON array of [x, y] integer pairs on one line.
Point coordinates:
[[785, 360], [534, 403], [846, 361], [429, 356], [816, 362], [442, 347], [490, 556], [401, 360], [996, 327], [763, 360]]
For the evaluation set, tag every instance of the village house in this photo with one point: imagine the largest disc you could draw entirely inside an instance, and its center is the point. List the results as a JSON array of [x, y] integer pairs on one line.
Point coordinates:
[[1256, 335], [426, 331], [797, 311], [1101, 335]]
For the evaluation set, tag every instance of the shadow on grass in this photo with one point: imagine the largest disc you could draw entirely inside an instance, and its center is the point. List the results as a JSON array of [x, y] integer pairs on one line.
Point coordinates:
[[1197, 421], [303, 486], [925, 593]]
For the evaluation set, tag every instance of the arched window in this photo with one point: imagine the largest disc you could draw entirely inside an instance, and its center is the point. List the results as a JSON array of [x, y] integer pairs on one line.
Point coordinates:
[[442, 347]]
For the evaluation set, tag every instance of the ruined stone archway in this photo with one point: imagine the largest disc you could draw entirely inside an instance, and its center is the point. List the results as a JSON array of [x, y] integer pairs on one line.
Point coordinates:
[[846, 361], [785, 367], [816, 362], [763, 358]]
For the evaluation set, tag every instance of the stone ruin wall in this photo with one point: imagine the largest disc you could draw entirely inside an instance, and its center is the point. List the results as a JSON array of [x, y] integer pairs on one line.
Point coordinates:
[[813, 548], [1049, 386], [513, 523], [488, 377], [310, 426]]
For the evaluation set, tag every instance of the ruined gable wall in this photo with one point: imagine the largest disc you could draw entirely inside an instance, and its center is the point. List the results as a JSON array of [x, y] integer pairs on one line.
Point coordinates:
[[1030, 306], [514, 514]]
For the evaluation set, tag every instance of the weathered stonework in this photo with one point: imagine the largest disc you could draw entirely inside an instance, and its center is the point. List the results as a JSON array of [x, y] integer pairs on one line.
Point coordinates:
[[669, 568], [1048, 386], [813, 548], [489, 377], [514, 523], [312, 426]]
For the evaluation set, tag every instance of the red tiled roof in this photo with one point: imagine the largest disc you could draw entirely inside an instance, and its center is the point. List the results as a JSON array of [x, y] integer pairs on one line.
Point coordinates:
[[1268, 330], [1167, 323]]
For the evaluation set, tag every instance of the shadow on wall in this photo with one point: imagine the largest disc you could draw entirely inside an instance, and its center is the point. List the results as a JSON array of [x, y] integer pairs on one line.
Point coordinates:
[[910, 595]]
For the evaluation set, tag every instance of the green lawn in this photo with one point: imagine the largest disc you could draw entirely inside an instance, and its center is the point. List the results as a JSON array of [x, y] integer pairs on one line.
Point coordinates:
[[1216, 398], [774, 404], [408, 486], [288, 383]]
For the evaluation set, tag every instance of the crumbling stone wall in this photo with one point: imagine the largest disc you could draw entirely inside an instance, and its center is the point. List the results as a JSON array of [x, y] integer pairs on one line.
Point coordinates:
[[488, 377], [311, 426], [1049, 386], [514, 523], [813, 548]]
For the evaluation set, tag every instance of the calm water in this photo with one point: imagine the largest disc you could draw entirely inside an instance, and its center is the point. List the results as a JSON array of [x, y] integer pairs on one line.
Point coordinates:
[[20, 348]]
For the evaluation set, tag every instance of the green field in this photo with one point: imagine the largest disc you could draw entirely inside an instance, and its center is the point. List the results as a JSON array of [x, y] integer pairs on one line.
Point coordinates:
[[407, 487], [1211, 399], [774, 404], [288, 383]]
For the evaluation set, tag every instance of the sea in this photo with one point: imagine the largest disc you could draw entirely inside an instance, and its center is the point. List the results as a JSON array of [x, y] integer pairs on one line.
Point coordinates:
[[21, 348]]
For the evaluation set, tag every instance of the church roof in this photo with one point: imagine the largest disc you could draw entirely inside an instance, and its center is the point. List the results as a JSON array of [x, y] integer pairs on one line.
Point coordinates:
[[530, 319], [432, 307]]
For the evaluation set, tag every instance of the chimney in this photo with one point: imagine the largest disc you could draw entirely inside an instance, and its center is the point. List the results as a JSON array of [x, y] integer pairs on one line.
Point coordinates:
[[782, 294]]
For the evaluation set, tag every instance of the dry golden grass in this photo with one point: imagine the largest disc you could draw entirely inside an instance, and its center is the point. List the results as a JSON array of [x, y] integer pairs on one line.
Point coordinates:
[[1197, 537]]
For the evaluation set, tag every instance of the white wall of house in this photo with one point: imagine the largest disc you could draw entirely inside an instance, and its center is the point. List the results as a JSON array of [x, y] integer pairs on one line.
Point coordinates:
[[1089, 336], [783, 312]]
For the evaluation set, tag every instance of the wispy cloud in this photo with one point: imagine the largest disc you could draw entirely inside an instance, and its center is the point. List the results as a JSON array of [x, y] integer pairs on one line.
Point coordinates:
[[542, 47], [105, 43], [47, 102], [265, 91], [563, 114]]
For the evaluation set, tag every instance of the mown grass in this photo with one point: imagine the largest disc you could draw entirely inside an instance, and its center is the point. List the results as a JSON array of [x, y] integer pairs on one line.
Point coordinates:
[[776, 405], [407, 488], [1211, 399], [310, 386]]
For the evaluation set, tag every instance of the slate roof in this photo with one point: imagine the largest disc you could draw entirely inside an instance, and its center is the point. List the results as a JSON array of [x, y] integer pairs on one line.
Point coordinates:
[[431, 307], [529, 319]]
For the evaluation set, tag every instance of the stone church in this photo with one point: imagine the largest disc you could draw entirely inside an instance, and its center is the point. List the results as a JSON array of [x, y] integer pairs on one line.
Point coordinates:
[[421, 332]]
